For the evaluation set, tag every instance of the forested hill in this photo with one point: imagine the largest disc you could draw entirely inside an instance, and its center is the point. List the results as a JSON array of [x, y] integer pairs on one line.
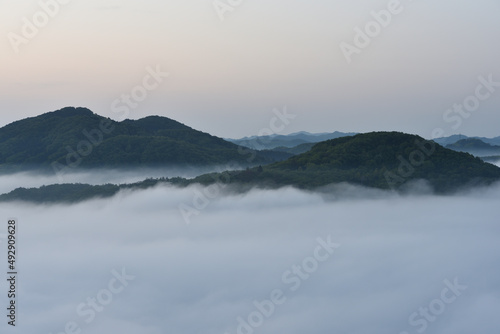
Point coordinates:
[[77, 137], [384, 160], [379, 159], [475, 146]]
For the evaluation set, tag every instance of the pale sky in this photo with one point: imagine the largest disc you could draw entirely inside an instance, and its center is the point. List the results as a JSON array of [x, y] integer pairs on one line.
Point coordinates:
[[227, 76]]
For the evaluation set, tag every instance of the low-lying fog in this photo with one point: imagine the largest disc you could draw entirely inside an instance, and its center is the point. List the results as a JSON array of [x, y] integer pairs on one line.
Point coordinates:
[[9, 182], [281, 261]]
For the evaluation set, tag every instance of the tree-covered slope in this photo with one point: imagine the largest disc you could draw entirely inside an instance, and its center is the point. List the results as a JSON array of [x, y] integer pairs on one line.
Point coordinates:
[[475, 146], [270, 142], [385, 160], [299, 149], [77, 192], [76, 137], [380, 159]]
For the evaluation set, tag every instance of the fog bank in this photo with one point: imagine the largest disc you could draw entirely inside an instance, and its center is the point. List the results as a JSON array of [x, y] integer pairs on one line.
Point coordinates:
[[394, 256], [9, 182]]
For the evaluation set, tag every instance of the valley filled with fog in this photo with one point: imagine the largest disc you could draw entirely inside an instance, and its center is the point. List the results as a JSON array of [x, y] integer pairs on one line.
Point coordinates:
[[268, 261], [97, 176], [9, 182]]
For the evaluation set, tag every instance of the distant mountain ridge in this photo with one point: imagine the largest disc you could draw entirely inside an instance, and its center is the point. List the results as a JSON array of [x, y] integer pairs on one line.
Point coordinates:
[[296, 143], [444, 141], [287, 141], [77, 137], [383, 160], [299, 149], [475, 146]]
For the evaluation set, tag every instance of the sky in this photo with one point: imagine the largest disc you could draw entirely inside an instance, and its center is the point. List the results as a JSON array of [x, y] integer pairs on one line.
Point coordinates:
[[230, 67], [429, 68], [368, 264]]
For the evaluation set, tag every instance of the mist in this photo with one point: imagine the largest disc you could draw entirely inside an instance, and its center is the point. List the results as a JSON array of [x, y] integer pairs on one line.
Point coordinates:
[[96, 176], [231, 269]]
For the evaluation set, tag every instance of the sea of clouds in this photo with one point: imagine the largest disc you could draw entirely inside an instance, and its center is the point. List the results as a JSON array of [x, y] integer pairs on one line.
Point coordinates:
[[9, 182], [268, 261]]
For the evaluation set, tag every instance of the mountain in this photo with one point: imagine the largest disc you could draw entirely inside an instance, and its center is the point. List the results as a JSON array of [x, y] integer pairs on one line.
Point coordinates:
[[384, 160], [475, 146], [493, 159], [288, 141], [75, 192], [77, 137], [380, 159], [299, 149], [444, 141], [492, 141]]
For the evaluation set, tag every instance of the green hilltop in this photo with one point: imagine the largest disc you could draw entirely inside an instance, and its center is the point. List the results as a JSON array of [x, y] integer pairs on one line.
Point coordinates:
[[77, 137], [384, 160]]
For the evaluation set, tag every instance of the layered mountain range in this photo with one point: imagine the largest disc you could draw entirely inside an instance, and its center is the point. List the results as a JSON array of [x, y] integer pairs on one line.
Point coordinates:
[[78, 138]]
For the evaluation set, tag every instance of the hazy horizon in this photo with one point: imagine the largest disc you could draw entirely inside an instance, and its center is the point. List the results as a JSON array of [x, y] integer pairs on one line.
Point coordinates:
[[262, 133], [261, 56]]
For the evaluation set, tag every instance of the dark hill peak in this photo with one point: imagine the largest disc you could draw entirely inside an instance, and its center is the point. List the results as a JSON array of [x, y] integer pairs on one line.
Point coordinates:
[[476, 147], [71, 112], [378, 159], [77, 137], [156, 123], [470, 143]]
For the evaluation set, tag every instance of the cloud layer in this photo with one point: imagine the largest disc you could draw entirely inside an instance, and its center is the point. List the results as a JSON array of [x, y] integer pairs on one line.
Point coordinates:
[[396, 256], [9, 182]]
